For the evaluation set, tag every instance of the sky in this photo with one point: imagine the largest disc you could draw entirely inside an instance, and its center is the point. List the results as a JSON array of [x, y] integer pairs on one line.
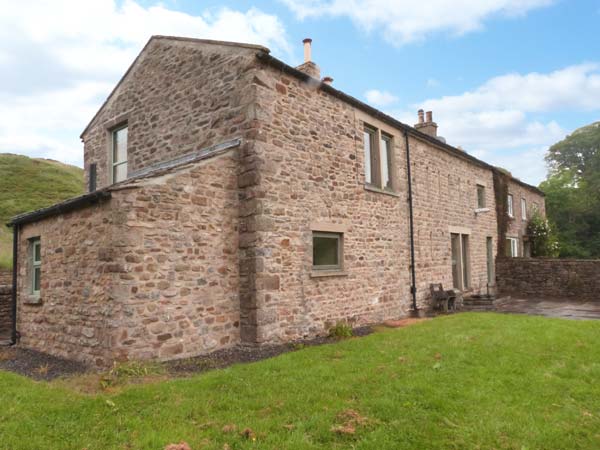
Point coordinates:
[[505, 79]]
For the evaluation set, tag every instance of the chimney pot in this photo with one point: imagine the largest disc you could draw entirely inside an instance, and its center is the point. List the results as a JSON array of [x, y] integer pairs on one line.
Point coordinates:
[[328, 80], [427, 125], [307, 49]]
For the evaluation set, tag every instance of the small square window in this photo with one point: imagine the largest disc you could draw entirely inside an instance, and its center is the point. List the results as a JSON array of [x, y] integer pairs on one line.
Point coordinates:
[[480, 196], [327, 251], [36, 266], [119, 154]]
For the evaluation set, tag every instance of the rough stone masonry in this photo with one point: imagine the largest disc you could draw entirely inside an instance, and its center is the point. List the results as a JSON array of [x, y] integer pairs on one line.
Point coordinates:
[[211, 252]]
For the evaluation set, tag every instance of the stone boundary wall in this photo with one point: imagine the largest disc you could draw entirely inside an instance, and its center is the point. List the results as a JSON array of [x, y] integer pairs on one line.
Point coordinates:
[[5, 301], [531, 277]]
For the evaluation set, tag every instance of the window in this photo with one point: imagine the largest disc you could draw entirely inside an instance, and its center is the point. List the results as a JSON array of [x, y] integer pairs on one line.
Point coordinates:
[[36, 266], [327, 251], [460, 260], [119, 154], [480, 196], [512, 247], [489, 246], [511, 212], [386, 161], [379, 151], [370, 162], [536, 207], [524, 209]]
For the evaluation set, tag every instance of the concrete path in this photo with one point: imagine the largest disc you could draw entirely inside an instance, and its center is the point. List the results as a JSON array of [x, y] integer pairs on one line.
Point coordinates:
[[565, 308]]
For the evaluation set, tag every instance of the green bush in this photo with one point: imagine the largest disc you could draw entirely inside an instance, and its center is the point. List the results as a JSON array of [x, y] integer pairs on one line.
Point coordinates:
[[340, 330], [543, 239]]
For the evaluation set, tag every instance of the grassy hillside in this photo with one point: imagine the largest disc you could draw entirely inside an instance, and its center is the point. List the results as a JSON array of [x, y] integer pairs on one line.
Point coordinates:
[[27, 184]]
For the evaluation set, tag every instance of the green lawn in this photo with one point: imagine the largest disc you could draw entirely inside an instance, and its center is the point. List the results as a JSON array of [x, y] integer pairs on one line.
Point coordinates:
[[467, 381]]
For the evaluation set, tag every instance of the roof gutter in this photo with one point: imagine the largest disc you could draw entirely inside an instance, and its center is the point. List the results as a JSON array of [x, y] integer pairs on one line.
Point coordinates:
[[285, 68], [61, 208]]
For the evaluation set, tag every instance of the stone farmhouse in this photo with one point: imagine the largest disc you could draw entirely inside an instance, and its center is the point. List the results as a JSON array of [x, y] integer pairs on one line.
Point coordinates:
[[236, 199]]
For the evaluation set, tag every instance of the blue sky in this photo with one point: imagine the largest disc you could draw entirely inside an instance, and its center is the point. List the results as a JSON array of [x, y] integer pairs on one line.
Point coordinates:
[[505, 78]]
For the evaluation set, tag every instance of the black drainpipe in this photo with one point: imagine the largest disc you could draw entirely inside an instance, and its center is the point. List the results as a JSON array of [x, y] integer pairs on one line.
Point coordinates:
[[413, 288], [13, 337]]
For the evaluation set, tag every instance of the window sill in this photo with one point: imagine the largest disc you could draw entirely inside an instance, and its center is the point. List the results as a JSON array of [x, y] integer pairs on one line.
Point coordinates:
[[482, 210], [32, 300], [328, 273], [369, 187]]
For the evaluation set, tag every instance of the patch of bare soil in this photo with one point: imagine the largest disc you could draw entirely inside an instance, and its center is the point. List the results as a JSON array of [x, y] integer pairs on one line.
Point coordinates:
[[403, 322], [38, 365]]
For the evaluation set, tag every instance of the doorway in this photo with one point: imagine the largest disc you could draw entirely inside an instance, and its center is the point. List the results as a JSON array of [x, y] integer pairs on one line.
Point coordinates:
[[460, 261]]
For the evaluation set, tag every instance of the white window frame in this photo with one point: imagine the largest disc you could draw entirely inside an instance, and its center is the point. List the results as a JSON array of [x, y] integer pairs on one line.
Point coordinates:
[[511, 206], [514, 246], [386, 160], [114, 164], [523, 209], [36, 264], [378, 164]]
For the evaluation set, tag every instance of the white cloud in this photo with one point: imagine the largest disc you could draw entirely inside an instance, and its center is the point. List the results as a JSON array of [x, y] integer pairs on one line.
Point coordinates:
[[574, 87], [60, 60], [432, 82], [403, 21], [380, 98], [500, 121]]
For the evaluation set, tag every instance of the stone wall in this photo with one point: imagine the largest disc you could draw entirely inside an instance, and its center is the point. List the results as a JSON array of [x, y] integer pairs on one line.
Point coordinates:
[[180, 95], [311, 178], [5, 303], [517, 225], [79, 307], [151, 273], [549, 278]]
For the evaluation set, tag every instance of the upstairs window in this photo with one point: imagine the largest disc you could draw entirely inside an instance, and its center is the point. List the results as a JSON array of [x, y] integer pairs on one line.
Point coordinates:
[[480, 196], [379, 150], [119, 154], [386, 161], [510, 205], [524, 209], [36, 266], [327, 251], [371, 160]]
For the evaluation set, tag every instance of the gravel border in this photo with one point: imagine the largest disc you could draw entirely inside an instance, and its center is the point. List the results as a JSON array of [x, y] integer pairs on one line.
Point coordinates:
[[38, 365], [42, 366]]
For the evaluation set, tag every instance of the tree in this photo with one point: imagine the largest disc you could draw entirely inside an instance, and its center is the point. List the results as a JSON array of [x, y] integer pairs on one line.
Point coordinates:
[[573, 192]]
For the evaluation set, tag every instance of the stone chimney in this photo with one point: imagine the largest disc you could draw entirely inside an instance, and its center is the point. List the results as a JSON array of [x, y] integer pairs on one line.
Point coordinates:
[[426, 124], [308, 66]]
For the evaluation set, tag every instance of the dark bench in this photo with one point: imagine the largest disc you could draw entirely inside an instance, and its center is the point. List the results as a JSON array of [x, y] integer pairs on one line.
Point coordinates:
[[442, 299]]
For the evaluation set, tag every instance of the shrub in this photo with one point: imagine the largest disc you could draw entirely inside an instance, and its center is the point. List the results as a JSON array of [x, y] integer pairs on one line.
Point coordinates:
[[340, 330], [543, 238]]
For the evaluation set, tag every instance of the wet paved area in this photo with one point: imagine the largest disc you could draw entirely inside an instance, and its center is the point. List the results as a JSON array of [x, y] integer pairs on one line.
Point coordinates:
[[560, 307]]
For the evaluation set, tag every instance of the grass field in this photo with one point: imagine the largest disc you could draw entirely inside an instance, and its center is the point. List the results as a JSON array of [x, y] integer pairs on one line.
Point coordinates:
[[467, 381], [27, 184]]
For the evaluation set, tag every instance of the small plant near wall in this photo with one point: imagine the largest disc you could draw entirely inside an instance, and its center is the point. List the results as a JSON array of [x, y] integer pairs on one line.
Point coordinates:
[[340, 330], [543, 239]]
